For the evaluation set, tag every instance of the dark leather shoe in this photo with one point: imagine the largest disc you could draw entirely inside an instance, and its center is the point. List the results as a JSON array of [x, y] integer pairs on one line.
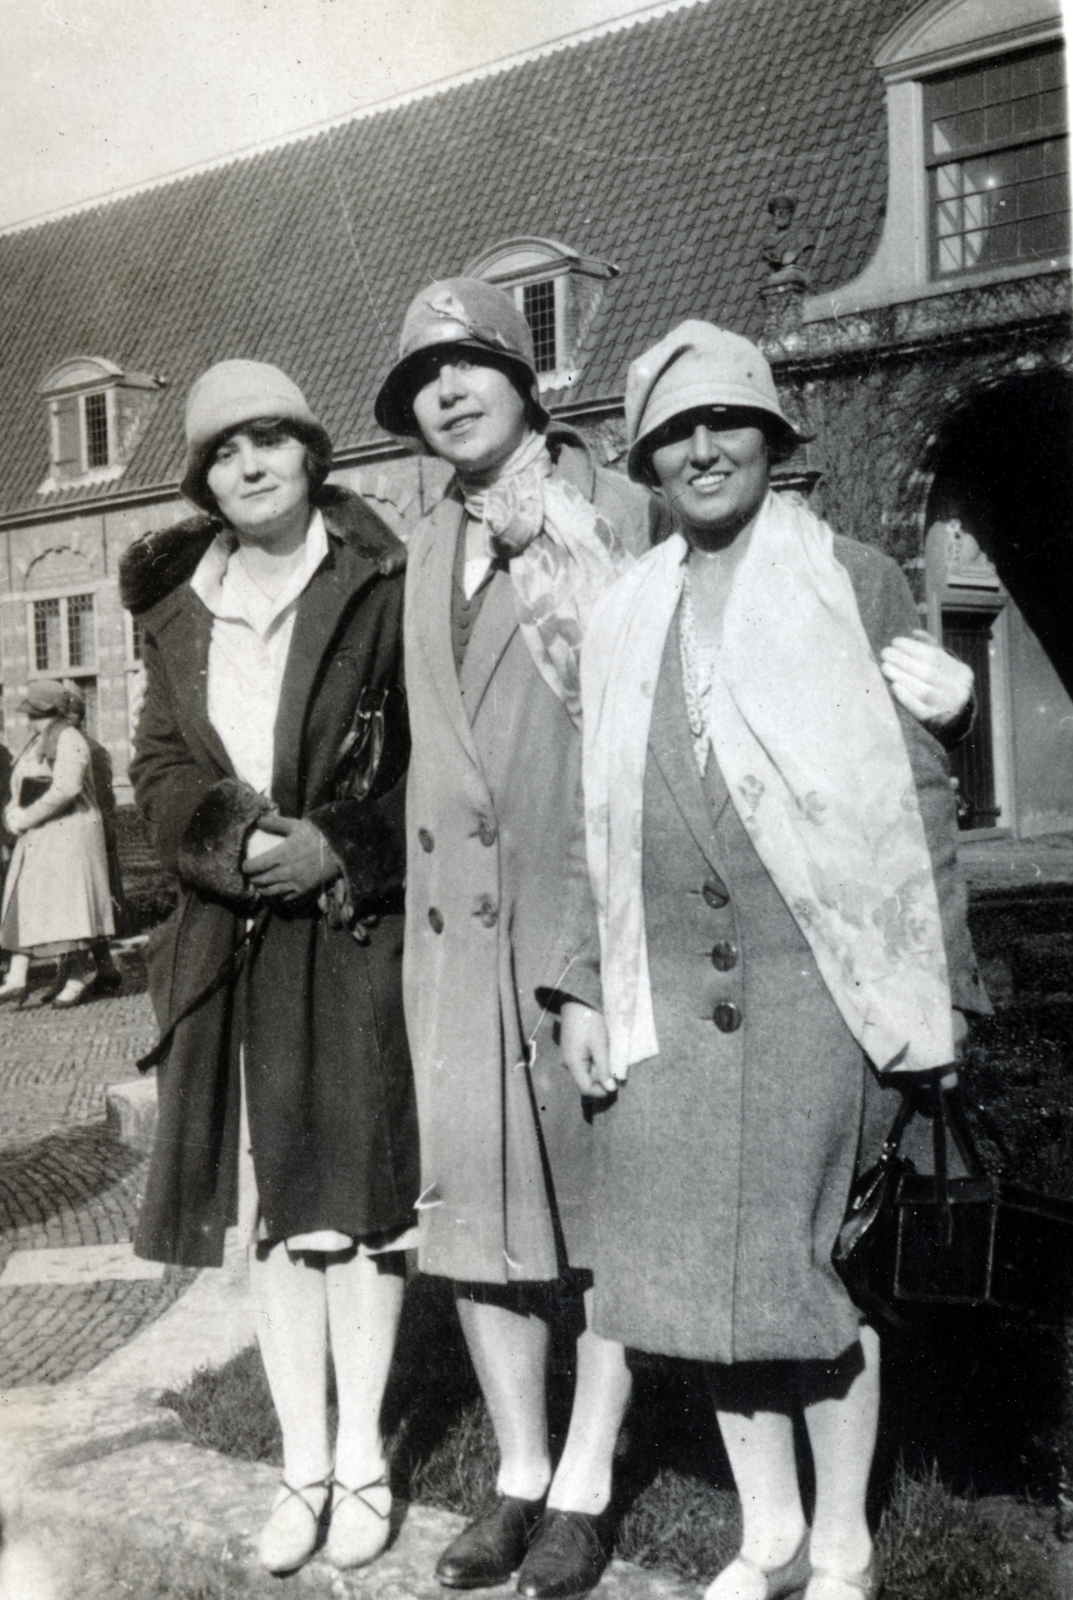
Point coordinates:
[[492, 1547], [566, 1556]]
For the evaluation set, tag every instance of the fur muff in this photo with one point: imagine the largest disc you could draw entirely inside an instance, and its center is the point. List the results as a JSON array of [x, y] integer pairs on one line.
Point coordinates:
[[159, 562], [212, 848]]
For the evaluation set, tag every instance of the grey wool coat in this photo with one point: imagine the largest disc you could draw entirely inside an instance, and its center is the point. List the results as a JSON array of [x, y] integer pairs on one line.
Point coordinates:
[[318, 1013], [723, 1169], [496, 896]]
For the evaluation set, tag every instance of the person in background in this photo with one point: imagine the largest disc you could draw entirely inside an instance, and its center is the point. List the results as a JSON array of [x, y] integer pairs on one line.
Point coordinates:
[[109, 979], [270, 762], [501, 930], [772, 847], [57, 903]]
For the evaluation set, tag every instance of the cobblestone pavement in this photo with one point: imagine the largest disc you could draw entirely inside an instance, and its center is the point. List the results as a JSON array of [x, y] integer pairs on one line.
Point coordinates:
[[66, 1180]]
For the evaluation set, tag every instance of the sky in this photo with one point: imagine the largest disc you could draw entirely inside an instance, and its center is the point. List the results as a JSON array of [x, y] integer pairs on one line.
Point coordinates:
[[98, 95]]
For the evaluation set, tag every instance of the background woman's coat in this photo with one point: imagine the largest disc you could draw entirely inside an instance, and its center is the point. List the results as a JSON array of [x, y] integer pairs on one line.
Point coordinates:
[[724, 1168], [496, 892], [329, 1088], [57, 891]]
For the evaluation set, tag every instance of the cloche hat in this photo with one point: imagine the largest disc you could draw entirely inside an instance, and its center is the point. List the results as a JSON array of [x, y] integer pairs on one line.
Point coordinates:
[[231, 393], [458, 311], [696, 364]]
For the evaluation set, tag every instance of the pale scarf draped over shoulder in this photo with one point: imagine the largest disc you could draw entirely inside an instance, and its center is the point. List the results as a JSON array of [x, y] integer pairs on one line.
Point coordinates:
[[562, 556], [811, 750]]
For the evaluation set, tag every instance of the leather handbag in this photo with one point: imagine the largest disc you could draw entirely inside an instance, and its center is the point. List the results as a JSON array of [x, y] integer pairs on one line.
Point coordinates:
[[914, 1239]]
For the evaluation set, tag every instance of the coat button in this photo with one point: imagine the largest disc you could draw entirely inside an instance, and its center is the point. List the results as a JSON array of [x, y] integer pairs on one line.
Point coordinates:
[[435, 919], [726, 1017], [724, 956], [487, 832], [425, 839], [714, 894], [488, 913]]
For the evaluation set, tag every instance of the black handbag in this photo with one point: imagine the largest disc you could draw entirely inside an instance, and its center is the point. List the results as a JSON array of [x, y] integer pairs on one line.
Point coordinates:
[[914, 1239]]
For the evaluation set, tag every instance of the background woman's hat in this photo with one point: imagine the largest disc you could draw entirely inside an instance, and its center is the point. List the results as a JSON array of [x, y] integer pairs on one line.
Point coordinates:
[[43, 697], [226, 396], [458, 311], [697, 364]]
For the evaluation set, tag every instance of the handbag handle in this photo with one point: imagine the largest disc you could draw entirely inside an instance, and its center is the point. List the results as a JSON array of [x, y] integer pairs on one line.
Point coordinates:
[[948, 1116]]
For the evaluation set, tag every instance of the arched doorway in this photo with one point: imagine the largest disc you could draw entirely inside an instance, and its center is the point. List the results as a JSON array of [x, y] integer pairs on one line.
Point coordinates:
[[1003, 488]]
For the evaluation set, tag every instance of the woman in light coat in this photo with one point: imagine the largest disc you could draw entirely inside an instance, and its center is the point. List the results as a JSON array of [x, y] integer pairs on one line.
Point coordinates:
[[772, 849], [270, 761], [57, 901]]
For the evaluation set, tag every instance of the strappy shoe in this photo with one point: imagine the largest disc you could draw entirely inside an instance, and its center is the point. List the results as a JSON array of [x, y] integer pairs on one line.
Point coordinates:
[[16, 992], [827, 1585], [289, 1537], [769, 1583], [359, 1530]]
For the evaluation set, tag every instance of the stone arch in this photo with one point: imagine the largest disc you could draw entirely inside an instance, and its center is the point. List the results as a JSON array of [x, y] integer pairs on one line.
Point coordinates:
[[1002, 465]]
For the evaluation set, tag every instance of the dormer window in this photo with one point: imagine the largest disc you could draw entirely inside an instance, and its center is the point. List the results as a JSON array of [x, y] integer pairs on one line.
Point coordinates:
[[978, 154], [96, 413], [997, 153], [557, 290]]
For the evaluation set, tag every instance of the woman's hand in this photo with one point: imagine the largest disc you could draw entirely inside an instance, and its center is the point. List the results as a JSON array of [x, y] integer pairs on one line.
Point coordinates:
[[15, 819], [928, 681], [583, 1041], [299, 865]]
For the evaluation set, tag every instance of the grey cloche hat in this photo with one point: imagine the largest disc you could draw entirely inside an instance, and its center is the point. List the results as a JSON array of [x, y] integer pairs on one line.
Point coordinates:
[[696, 364], [459, 311], [48, 698], [234, 392]]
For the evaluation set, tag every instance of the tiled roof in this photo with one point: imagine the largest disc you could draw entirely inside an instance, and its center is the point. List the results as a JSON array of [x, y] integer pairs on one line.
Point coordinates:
[[654, 146]]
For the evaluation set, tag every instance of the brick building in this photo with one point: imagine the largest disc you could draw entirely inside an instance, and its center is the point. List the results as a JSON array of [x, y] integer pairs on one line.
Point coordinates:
[[877, 189]]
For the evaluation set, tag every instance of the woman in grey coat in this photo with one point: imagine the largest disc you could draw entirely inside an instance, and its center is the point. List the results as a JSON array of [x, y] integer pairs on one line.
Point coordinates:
[[772, 850]]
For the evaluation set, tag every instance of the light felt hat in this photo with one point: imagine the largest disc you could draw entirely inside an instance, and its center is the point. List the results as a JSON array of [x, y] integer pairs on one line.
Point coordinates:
[[458, 311], [45, 698], [697, 364], [234, 392]]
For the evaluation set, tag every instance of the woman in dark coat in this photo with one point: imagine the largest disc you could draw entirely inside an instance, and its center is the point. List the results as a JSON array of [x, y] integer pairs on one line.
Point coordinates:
[[772, 850], [270, 759]]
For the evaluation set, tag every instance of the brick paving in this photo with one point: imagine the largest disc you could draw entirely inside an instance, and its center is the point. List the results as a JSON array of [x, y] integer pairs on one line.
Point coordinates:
[[65, 1180]]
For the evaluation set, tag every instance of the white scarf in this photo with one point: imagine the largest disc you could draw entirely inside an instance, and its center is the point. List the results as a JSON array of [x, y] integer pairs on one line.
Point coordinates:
[[809, 744], [562, 553]]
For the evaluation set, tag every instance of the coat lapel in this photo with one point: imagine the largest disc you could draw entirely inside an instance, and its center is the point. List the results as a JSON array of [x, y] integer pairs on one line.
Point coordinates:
[[670, 745], [182, 627], [321, 606], [431, 575]]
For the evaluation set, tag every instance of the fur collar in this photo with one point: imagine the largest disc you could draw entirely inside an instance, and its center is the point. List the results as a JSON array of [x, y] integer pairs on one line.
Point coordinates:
[[158, 563]]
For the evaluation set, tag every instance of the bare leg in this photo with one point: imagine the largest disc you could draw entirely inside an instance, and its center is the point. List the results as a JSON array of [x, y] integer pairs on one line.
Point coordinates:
[[842, 1433], [17, 973], [509, 1350], [363, 1315], [582, 1479], [291, 1305], [761, 1452]]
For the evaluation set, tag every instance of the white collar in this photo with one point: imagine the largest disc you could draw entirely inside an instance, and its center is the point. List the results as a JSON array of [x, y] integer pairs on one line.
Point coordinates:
[[228, 592]]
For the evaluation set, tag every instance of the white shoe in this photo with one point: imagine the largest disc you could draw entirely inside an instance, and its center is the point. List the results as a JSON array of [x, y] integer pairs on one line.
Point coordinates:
[[359, 1528], [289, 1537]]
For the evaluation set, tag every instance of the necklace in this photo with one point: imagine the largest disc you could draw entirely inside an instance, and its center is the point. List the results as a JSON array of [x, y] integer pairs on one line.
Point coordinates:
[[698, 672]]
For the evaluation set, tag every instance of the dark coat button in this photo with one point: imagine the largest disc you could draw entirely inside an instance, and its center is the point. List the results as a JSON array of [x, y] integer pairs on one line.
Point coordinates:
[[724, 956], [488, 913], [726, 1017], [435, 919], [425, 839], [715, 895], [487, 832]]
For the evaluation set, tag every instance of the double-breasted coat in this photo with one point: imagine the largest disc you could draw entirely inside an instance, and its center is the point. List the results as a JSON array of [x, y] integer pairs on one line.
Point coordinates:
[[318, 1013], [723, 1169], [496, 896]]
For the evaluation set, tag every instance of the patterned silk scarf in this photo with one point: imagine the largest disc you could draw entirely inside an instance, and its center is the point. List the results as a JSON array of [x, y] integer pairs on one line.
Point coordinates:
[[562, 556], [809, 744]]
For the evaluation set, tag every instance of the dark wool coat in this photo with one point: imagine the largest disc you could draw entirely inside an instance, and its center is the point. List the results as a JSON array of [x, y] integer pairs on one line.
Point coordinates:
[[723, 1168], [330, 1093], [493, 905]]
